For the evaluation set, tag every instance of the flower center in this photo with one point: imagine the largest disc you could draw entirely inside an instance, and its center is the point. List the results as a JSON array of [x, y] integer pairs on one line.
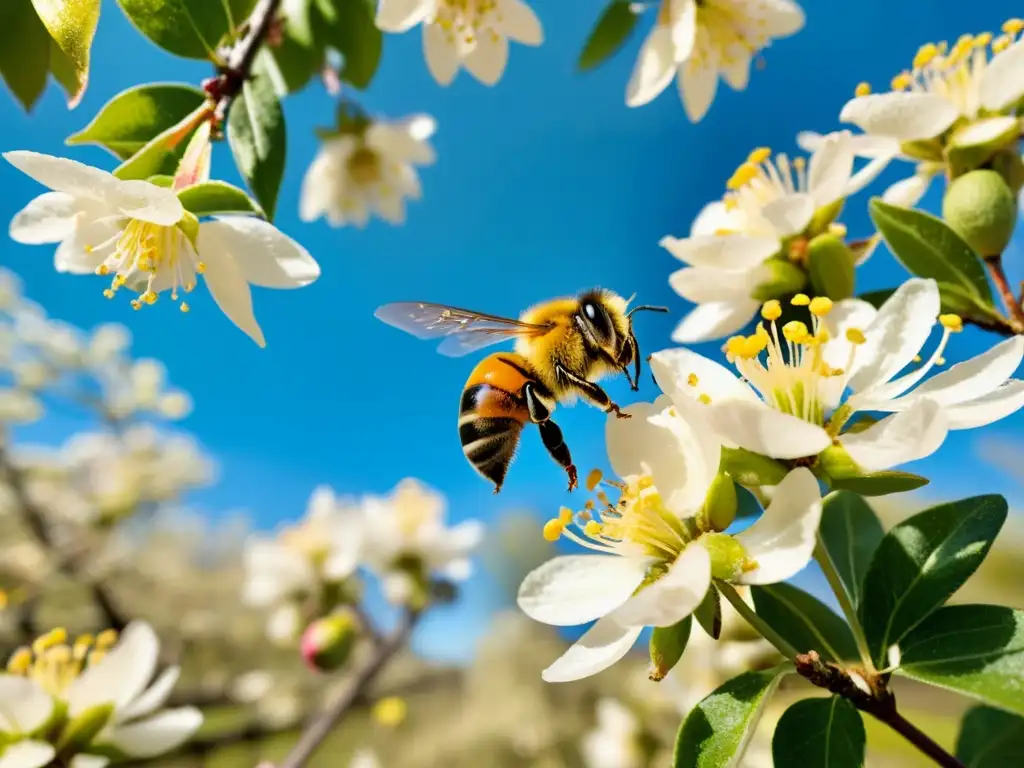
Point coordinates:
[[954, 72], [464, 21], [54, 664], [364, 167], [308, 540], [733, 27], [638, 524], [151, 254], [762, 179]]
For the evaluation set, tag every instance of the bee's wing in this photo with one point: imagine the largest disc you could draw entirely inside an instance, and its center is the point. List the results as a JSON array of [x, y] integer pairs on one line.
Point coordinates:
[[463, 330]]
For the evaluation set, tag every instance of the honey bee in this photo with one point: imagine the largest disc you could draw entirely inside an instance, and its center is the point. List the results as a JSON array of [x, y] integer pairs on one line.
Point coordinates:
[[562, 347]]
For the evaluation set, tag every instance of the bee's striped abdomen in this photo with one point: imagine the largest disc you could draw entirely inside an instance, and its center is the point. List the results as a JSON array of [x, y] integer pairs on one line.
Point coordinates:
[[492, 414]]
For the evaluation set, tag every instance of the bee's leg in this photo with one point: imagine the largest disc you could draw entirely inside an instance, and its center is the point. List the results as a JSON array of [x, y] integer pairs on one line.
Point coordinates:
[[591, 392], [552, 437], [538, 402]]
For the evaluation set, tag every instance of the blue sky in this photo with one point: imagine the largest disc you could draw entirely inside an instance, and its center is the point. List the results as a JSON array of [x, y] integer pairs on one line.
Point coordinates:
[[545, 184]]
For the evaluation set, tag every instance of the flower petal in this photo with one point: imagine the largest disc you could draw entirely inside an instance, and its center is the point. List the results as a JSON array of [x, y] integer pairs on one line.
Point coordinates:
[[406, 141], [993, 131], [909, 191], [674, 596], [48, 218], [673, 368], [160, 733], [1004, 401], [698, 78], [714, 320], [1002, 83], [402, 15], [897, 334], [24, 704], [153, 697], [789, 215], [27, 754], [972, 378], [487, 61], [762, 429], [603, 644], [782, 18], [703, 285], [142, 200], [845, 314], [903, 437], [63, 175], [782, 540], [674, 446], [830, 169], [520, 23], [265, 255], [575, 589], [734, 252], [712, 218], [83, 760], [654, 67], [736, 69], [439, 50], [229, 288], [899, 115], [121, 675]]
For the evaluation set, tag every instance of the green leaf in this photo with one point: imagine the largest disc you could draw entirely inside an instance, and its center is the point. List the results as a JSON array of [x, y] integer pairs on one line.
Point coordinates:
[[850, 532], [163, 152], [709, 613], [921, 562], [976, 650], [256, 134], [213, 197], [820, 733], [351, 29], [667, 646], [716, 732], [880, 483], [131, 119], [804, 621], [990, 738], [609, 34], [24, 51], [927, 247], [189, 28], [962, 302], [295, 63], [72, 25]]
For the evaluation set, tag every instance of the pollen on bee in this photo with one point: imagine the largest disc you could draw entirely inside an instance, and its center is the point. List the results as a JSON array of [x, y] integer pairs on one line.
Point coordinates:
[[553, 529]]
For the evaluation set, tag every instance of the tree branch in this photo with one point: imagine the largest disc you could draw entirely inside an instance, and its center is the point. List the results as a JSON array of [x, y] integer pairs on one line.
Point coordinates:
[[870, 695], [1013, 306], [319, 729], [228, 84], [67, 564]]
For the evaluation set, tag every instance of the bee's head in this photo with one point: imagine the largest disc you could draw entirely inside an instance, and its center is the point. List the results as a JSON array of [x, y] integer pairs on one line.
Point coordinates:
[[604, 318]]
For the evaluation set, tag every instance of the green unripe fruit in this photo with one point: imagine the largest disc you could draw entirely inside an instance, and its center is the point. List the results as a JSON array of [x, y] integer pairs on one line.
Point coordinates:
[[980, 207], [720, 504], [781, 279], [728, 557], [831, 264]]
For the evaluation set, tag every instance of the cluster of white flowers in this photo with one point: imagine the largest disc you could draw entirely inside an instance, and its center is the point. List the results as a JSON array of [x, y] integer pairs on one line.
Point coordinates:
[[88, 701], [304, 570]]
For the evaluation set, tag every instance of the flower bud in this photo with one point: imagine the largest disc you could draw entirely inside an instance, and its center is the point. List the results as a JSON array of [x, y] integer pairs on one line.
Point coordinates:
[[749, 468], [720, 504], [831, 264], [844, 474], [327, 643], [980, 207], [781, 279], [666, 648], [728, 557]]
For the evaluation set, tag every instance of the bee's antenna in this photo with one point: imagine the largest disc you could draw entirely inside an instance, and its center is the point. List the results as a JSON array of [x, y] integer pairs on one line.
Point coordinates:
[[646, 307]]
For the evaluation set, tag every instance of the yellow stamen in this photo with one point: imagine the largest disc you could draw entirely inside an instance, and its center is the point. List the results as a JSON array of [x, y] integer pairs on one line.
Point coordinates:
[[184, 307], [106, 639], [553, 529], [593, 528], [902, 81], [917, 358], [564, 515], [705, 398], [862, 89], [795, 331], [52, 638], [952, 323], [940, 361], [1013, 26], [1001, 43], [772, 310], [800, 300], [744, 174], [593, 478], [820, 306], [390, 711], [925, 54], [692, 380], [759, 155], [20, 661]]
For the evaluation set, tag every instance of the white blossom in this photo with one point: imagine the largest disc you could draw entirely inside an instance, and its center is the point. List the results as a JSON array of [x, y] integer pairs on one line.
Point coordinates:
[[133, 232], [795, 388], [366, 171], [407, 538], [474, 34], [613, 742], [696, 41], [653, 566]]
